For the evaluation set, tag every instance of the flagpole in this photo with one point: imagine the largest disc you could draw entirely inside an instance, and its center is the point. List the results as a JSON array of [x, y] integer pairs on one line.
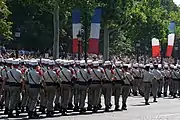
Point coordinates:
[[86, 36]]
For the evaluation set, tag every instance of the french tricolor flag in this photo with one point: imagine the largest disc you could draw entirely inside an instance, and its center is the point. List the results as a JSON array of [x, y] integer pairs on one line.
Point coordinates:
[[171, 38], [76, 26], [155, 48], [95, 32]]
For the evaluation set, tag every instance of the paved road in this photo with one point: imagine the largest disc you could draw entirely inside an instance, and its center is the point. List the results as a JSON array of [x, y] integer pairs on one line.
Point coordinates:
[[165, 109]]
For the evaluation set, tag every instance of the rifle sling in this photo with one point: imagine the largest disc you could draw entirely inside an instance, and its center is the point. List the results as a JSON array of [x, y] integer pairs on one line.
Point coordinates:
[[50, 76], [14, 77]]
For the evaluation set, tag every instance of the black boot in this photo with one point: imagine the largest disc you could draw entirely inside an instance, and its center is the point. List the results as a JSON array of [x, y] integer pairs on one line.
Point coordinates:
[[70, 106], [107, 108], [165, 94], [82, 110], [135, 94], [171, 93], [27, 109], [10, 114], [95, 109], [17, 112], [110, 105], [6, 111], [64, 112], [154, 99], [159, 94], [22, 109], [42, 109], [76, 108], [124, 106], [146, 102], [1, 106], [35, 114], [56, 107], [99, 106], [49, 114], [174, 96], [117, 108], [89, 108], [60, 109], [31, 115]]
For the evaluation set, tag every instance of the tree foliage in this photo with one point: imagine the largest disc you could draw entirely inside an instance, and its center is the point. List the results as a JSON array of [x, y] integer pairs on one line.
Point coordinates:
[[5, 24], [135, 20]]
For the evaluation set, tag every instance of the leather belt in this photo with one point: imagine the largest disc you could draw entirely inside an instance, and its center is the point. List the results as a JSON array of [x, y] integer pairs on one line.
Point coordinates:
[[63, 82], [96, 82], [34, 85], [51, 84], [14, 84]]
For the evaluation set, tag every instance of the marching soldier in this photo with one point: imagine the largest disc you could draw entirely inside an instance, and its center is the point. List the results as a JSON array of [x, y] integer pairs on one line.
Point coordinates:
[[35, 82], [1, 83], [83, 79], [67, 78], [51, 81], [58, 68], [171, 86], [7, 67], [161, 81], [25, 96], [74, 92], [43, 100], [136, 83], [118, 84], [107, 84], [166, 79], [97, 77], [147, 81], [157, 74], [175, 78], [15, 79], [90, 99], [127, 83]]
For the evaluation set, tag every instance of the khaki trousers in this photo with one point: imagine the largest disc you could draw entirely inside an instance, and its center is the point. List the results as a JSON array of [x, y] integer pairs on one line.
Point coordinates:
[[51, 90], [82, 95], [33, 98], [125, 93], [14, 97], [117, 93], [96, 93], [107, 91], [147, 90], [65, 95], [25, 96]]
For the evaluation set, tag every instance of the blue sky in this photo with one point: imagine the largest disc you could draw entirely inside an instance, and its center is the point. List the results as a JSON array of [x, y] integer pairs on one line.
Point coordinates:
[[177, 2]]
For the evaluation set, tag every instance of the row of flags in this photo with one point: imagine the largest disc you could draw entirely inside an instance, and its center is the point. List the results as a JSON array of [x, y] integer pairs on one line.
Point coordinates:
[[93, 42], [171, 37], [94, 33]]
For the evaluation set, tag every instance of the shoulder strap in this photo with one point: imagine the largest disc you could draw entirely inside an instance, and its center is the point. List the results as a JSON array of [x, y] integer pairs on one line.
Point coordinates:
[[134, 73], [50, 76], [106, 75], [13, 77], [96, 75], [32, 78], [65, 76], [118, 73], [175, 75], [127, 79], [82, 75]]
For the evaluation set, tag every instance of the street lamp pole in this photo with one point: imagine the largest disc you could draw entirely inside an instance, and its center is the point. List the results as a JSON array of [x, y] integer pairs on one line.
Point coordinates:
[[137, 48], [79, 37], [176, 54], [17, 36]]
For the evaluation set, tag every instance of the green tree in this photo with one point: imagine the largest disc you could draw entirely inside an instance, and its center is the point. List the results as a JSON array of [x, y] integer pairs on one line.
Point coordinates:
[[5, 24]]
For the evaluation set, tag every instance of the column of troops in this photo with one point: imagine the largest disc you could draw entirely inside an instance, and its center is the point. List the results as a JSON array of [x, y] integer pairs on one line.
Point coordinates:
[[60, 85]]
